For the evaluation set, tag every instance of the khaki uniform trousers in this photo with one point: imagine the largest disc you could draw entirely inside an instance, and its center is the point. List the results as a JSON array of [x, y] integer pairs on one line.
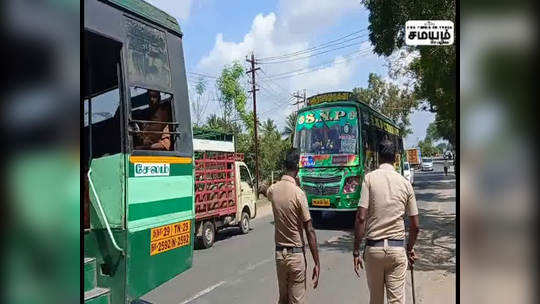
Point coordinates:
[[291, 275], [386, 267]]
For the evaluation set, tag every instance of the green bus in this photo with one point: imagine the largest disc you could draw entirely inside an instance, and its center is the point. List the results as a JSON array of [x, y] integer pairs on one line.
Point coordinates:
[[138, 151], [337, 138]]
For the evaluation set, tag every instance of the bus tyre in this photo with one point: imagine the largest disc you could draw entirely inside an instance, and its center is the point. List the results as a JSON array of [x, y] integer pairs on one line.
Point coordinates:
[[244, 223], [208, 234]]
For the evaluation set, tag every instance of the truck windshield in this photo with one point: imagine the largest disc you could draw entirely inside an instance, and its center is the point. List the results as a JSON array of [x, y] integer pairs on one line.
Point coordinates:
[[327, 131]]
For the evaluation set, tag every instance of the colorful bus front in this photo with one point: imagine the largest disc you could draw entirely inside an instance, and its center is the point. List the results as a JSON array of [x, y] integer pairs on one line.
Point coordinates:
[[336, 137], [138, 155]]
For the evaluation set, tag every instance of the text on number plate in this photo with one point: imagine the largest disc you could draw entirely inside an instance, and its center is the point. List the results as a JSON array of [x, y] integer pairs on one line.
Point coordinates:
[[169, 237]]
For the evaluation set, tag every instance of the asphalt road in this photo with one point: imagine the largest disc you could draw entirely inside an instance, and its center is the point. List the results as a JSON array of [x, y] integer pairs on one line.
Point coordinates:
[[241, 268]]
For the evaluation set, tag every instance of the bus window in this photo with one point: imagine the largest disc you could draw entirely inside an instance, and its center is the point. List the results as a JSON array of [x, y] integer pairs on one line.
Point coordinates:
[[102, 97], [151, 122]]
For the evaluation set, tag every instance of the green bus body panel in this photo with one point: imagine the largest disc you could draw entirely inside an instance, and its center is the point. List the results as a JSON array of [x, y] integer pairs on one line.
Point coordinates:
[[111, 265], [146, 271], [108, 179], [156, 208], [151, 12], [155, 201]]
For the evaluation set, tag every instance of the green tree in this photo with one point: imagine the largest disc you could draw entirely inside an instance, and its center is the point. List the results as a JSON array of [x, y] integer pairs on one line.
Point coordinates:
[[271, 150], [442, 147], [196, 105], [389, 99], [232, 95], [427, 149], [434, 71], [214, 122], [432, 133], [290, 125]]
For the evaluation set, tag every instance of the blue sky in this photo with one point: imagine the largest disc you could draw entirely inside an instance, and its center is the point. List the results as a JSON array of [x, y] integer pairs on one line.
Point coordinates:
[[219, 32]]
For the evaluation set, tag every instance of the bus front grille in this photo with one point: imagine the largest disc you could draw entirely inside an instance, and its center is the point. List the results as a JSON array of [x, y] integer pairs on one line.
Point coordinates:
[[320, 189], [321, 179]]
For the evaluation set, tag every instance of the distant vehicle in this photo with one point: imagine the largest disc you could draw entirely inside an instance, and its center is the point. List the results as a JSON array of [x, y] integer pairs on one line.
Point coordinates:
[[427, 164], [337, 137], [408, 172], [413, 156], [224, 195]]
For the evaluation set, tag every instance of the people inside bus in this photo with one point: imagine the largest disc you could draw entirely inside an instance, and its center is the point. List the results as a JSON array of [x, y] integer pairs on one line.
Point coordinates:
[[325, 141], [158, 113]]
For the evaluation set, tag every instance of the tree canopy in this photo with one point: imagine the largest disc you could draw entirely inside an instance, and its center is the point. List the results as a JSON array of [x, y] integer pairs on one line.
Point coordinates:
[[233, 99], [388, 99], [233, 96], [434, 70]]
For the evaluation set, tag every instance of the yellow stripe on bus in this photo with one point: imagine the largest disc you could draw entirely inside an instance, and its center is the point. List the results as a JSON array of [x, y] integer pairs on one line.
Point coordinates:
[[160, 159]]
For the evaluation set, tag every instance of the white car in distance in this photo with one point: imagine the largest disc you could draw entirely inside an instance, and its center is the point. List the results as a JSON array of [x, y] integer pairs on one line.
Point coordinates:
[[408, 172], [427, 164]]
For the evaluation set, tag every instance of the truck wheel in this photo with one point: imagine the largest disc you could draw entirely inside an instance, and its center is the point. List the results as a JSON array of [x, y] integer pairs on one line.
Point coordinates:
[[208, 234], [244, 223]]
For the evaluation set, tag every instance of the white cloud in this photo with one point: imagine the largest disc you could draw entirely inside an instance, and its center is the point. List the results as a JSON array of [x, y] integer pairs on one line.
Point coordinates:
[[307, 16], [178, 9], [290, 30]]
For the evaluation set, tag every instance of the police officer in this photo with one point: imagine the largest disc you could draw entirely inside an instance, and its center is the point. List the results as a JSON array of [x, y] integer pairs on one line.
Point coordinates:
[[385, 197], [291, 218]]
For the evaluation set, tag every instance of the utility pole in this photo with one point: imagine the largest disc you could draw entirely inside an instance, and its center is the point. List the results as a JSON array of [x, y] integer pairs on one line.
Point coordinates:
[[299, 99], [255, 123]]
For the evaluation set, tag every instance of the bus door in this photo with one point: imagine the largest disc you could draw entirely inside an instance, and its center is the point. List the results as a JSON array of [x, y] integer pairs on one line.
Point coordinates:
[[104, 162]]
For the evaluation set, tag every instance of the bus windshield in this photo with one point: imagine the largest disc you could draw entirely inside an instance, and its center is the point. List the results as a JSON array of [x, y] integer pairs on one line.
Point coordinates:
[[327, 131]]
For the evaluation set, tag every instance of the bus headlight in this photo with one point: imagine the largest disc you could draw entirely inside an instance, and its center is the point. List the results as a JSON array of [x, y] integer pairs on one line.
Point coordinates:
[[351, 184]]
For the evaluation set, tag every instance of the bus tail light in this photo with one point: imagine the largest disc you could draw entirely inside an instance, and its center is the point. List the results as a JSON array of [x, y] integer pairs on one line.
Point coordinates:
[[351, 184]]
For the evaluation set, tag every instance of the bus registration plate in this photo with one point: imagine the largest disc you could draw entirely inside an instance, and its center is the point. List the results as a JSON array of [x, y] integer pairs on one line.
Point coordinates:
[[321, 202], [169, 237]]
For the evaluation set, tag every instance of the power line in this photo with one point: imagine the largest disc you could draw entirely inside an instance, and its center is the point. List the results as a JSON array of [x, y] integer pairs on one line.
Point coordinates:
[[315, 54], [309, 68], [267, 87], [318, 67], [203, 75], [311, 48], [268, 78]]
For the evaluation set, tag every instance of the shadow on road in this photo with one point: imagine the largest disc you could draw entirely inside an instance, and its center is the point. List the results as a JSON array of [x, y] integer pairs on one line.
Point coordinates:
[[341, 221], [434, 197], [436, 243], [223, 234], [435, 246]]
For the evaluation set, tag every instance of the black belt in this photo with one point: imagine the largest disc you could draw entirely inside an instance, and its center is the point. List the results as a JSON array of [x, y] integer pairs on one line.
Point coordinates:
[[380, 243], [290, 249]]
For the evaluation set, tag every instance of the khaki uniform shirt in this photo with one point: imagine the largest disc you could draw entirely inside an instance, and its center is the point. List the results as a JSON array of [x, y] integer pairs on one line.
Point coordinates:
[[387, 195], [290, 207]]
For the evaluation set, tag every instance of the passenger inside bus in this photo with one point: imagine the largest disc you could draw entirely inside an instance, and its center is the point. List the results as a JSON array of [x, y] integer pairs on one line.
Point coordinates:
[[325, 141], [155, 136]]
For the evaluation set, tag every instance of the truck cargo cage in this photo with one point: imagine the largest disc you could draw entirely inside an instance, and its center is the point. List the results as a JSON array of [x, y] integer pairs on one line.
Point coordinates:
[[215, 184]]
